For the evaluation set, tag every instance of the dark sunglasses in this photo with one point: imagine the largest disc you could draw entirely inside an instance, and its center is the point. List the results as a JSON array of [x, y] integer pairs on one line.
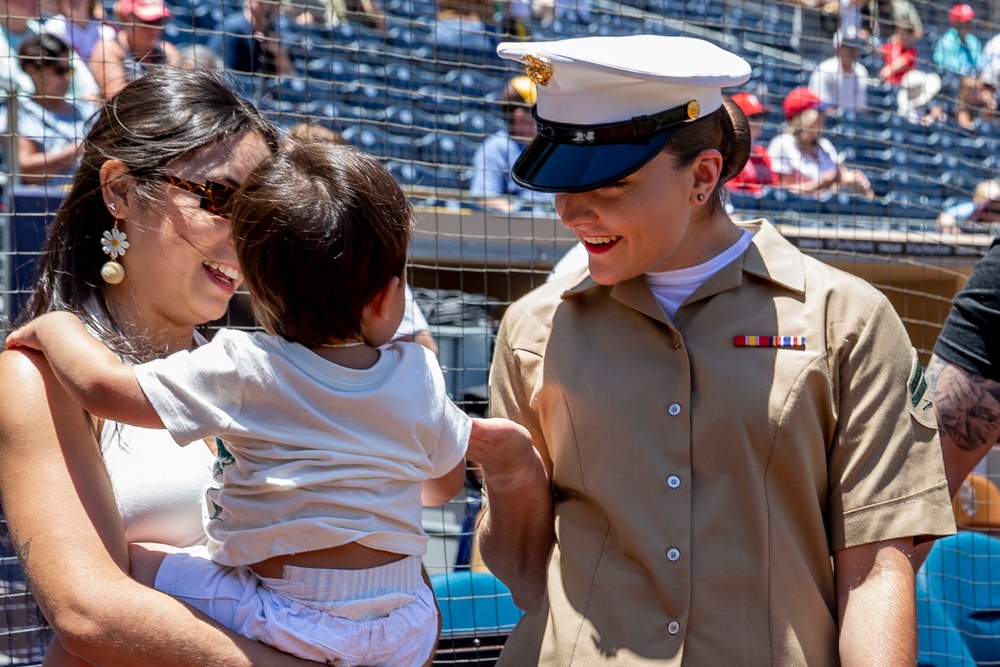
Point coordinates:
[[60, 70], [214, 196]]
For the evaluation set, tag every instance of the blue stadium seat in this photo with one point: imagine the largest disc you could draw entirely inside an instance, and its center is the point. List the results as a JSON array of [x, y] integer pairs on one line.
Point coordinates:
[[404, 119], [380, 143], [415, 174], [857, 207], [446, 149], [467, 82], [474, 123], [436, 99], [908, 204], [477, 615], [960, 577], [474, 602]]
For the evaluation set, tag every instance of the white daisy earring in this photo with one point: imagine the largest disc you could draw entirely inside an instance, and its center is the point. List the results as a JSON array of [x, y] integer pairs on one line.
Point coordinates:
[[114, 245]]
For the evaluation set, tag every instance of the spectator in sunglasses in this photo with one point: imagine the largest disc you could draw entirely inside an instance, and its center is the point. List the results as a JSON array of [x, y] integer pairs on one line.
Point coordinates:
[[49, 127]]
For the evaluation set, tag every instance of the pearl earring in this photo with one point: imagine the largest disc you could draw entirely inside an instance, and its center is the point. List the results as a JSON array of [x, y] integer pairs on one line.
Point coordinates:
[[114, 245], [701, 196]]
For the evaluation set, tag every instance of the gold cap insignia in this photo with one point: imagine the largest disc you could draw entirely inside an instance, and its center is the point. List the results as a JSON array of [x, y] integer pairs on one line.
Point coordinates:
[[693, 109], [538, 70]]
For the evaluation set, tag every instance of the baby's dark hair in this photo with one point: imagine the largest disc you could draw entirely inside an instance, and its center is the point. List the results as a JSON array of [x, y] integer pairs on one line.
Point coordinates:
[[319, 230]]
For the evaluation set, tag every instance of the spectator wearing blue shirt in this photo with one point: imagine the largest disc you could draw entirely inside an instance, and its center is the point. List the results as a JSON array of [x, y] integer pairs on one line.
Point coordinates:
[[249, 43], [958, 50], [492, 163]]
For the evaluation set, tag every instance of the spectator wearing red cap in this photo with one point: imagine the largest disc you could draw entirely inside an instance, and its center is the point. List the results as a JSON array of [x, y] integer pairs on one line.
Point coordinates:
[[803, 160], [115, 62], [757, 171], [841, 80], [958, 50]]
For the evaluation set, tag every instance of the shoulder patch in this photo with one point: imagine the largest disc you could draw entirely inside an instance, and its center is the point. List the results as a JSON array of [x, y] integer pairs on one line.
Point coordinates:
[[921, 407]]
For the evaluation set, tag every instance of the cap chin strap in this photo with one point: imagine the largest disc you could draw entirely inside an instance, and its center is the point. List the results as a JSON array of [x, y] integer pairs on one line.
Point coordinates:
[[635, 130]]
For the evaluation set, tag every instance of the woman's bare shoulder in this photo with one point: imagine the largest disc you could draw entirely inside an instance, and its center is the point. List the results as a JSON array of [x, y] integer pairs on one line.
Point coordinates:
[[32, 388]]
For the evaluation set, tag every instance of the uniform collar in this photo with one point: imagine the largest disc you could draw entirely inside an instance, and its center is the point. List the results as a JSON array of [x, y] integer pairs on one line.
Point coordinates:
[[770, 257]]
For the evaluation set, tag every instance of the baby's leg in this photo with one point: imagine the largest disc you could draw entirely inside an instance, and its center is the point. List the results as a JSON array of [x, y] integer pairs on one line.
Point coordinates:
[[144, 560]]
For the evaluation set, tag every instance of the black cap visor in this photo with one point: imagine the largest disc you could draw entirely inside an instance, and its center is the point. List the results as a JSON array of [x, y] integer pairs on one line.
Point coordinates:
[[548, 166]]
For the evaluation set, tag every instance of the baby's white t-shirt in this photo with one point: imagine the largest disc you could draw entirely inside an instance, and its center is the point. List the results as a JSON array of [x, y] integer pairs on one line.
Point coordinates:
[[314, 455]]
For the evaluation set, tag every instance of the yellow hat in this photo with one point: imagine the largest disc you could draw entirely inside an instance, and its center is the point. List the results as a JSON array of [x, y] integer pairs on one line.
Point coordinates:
[[977, 504], [525, 87]]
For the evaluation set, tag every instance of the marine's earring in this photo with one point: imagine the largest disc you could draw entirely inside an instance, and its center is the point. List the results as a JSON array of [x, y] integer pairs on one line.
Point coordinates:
[[700, 196], [114, 245]]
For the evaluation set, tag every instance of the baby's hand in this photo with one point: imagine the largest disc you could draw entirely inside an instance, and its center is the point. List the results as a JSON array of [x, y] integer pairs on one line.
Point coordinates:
[[499, 443], [28, 335]]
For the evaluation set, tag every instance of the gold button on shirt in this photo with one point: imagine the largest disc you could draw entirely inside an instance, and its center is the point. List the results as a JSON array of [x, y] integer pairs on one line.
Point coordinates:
[[701, 488]]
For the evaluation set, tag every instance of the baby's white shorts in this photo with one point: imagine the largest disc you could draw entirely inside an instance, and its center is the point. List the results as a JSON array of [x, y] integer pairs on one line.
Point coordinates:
[[381, 617]]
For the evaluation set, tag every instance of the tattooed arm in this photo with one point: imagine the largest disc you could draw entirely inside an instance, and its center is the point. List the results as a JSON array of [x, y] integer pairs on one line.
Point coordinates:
[[968, 414]]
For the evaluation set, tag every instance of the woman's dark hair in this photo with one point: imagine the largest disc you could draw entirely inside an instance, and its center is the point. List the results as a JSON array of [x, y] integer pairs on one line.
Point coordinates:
[[41, 50], [153, 122], [726, 130], [319, 230]]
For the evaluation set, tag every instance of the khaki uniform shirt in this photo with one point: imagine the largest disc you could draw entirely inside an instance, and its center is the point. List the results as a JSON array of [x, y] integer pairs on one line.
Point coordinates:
[[700, 487]]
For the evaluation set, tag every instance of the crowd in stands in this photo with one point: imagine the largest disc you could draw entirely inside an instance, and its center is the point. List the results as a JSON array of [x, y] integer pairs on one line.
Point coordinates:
[[899, 98]]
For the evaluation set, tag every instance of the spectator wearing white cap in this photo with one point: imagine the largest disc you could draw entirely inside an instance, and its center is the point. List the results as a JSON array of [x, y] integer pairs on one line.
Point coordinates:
[[491, 164], [958, 49], [841, 80], [990, 57], [78, 24], [971, 215], [914, 101], [728, 465]]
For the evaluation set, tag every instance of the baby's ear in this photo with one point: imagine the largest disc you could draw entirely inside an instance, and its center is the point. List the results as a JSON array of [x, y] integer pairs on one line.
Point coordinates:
[[382, 302]]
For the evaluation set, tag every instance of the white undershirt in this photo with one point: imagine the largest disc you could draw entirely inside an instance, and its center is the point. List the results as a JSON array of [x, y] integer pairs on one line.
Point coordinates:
[[672, 288]]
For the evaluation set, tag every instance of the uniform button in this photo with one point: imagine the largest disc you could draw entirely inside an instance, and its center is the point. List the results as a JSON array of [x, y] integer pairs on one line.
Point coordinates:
[[673, 555], [673, 481], [674, 409], [674, 627]]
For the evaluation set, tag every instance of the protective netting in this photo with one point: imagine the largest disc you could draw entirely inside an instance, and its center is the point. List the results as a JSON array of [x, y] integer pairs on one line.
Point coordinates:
[[913, 136]]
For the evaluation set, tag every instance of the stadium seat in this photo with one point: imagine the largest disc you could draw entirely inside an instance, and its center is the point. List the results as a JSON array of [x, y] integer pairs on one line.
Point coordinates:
[[378, 142], [860, 210], [404, 119], [426, 176], [477, 614], [446, 149], [911, 205], [960, 577], [436, 99]]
